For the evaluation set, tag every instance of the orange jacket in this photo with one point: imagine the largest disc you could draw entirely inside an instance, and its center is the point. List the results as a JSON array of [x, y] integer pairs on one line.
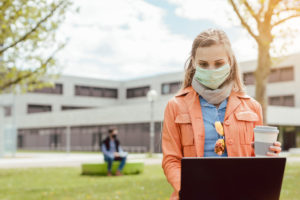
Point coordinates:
[[183, 132]]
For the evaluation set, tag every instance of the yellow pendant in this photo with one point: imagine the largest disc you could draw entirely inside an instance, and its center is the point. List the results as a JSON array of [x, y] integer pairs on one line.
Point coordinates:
[[219, 128], [220, 147]]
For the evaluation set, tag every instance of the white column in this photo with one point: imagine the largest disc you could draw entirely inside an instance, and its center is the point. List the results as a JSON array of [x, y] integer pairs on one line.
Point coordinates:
[[152, 96], [152, 127], [14, 124], [68, 139], [1, 131]]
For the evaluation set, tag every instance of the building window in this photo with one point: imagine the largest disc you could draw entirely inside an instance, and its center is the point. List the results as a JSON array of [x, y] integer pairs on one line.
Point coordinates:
[[38, 108], [20, 141], [83, 91], [287, 74], [73, 107], [170, 88], [57, 89], [249, 78], [54, 140], [110, 93], [137, 92], [95, 91], [7, 111], [276, 75], [287, 100]]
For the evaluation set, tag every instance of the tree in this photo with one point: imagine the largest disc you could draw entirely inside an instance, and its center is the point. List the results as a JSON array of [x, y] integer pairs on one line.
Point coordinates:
[[28, 42], [260, 18]]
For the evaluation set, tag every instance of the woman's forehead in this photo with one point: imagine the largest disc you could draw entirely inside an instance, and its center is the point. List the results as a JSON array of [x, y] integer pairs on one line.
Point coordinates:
[[211, 53]]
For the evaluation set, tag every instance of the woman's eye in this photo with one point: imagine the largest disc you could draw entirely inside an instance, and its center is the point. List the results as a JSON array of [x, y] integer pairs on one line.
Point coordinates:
[[203, 64], [219, 64]]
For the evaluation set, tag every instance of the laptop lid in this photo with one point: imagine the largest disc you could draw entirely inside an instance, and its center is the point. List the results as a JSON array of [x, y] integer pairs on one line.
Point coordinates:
[[232, 178]]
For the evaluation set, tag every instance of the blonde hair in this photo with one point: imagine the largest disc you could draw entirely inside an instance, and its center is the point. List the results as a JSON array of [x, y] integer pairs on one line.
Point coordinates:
[[208, 38]]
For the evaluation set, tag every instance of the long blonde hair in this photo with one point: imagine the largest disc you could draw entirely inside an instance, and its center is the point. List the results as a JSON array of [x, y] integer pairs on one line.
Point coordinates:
[[208, 38]]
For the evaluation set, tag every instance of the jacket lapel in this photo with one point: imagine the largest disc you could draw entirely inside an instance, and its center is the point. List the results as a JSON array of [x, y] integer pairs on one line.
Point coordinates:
[[194, 109], [233, 103]]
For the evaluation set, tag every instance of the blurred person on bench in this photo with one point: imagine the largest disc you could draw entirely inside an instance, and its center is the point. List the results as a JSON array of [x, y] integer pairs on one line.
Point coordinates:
[[113, 151]]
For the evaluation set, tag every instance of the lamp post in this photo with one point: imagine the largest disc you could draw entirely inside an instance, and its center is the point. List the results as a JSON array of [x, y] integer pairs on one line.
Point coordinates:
[[152, 96], [8, 132], [1, 131]]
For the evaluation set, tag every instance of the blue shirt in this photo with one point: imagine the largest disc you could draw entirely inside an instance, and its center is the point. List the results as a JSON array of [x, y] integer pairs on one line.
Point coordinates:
[[210, 115], [112, 149]]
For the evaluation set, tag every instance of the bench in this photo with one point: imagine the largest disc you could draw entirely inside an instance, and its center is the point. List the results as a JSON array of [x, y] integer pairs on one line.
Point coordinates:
[[101, 168]]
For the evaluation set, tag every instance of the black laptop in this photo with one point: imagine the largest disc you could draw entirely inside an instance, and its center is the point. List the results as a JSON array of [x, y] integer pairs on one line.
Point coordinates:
[[255, 178]]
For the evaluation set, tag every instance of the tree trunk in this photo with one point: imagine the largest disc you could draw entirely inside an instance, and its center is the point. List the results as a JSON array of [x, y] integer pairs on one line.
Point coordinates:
[[261, 75]]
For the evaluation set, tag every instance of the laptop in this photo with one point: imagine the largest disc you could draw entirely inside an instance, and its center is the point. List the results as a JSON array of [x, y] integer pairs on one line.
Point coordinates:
[[232, 178]]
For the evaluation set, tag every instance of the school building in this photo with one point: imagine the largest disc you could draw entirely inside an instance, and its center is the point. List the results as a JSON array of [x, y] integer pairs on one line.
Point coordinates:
[[88, 107]]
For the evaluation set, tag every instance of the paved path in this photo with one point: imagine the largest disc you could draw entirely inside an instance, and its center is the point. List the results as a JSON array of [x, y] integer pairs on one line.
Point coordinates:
[[26, 160]]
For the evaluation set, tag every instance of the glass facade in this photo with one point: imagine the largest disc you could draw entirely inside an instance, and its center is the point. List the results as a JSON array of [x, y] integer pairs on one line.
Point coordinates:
[[133, 137], [95, 91], [33, 108], [137, 92]]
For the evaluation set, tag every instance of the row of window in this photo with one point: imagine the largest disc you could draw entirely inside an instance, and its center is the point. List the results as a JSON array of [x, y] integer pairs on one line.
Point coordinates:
[[81, 91], [276, 75], [167, 88], [134, 137], [33, 108], [287, 100], [57, 89], [95, 91]]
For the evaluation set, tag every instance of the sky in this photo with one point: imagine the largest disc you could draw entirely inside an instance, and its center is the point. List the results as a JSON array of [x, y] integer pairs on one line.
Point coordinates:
[[129, 39]]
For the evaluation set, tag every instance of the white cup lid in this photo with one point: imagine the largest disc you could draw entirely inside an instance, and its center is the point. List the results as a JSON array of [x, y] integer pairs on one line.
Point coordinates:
[[266, 129]]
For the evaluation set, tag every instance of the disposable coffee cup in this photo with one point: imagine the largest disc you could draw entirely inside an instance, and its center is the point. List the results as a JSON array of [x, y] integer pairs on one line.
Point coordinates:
[[265, 136]]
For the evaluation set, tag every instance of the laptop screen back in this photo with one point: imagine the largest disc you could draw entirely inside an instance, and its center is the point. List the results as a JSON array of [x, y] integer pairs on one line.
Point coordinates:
[[232, 178]]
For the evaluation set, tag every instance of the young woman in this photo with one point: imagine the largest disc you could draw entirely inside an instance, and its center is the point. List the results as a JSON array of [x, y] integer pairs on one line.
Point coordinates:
[[211, 115]]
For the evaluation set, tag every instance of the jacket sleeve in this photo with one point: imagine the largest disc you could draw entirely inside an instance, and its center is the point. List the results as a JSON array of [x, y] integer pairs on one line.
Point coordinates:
[[258, 123], [171, 147], [105, 152]]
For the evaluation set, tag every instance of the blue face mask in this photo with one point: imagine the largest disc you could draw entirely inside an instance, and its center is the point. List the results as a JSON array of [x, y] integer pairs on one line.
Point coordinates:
[[212, 78]]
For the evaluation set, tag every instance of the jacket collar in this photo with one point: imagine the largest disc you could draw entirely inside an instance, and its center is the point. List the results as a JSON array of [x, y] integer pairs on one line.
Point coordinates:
[[184, 91], [191, 97]]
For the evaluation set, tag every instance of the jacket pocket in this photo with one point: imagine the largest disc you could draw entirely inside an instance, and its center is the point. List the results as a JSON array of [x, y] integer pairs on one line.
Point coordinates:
[[189, 151], [186, 129], [246, 122]]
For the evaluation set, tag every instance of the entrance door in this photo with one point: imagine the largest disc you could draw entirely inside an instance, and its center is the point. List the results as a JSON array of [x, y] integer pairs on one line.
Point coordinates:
[[289, 140], [54, 140]]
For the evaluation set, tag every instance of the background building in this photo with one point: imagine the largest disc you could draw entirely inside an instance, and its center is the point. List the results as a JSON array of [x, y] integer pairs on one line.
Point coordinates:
[[90, 106]]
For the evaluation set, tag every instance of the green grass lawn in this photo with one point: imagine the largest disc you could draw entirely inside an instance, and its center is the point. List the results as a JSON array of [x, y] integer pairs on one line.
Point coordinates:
[[67, 183]]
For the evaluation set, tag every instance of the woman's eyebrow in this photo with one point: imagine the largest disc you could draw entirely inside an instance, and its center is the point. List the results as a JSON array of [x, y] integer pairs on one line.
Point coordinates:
[[221, 59]]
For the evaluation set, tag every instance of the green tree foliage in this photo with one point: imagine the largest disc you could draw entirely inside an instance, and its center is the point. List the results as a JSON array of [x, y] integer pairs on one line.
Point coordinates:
[[261, 18], [28, 42]]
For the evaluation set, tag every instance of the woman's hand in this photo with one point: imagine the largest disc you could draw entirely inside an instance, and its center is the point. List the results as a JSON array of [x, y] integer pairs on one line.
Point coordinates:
[[276, 149]]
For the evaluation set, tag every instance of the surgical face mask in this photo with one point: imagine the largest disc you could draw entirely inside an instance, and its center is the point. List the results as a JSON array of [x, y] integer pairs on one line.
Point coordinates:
[[212, 78]]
